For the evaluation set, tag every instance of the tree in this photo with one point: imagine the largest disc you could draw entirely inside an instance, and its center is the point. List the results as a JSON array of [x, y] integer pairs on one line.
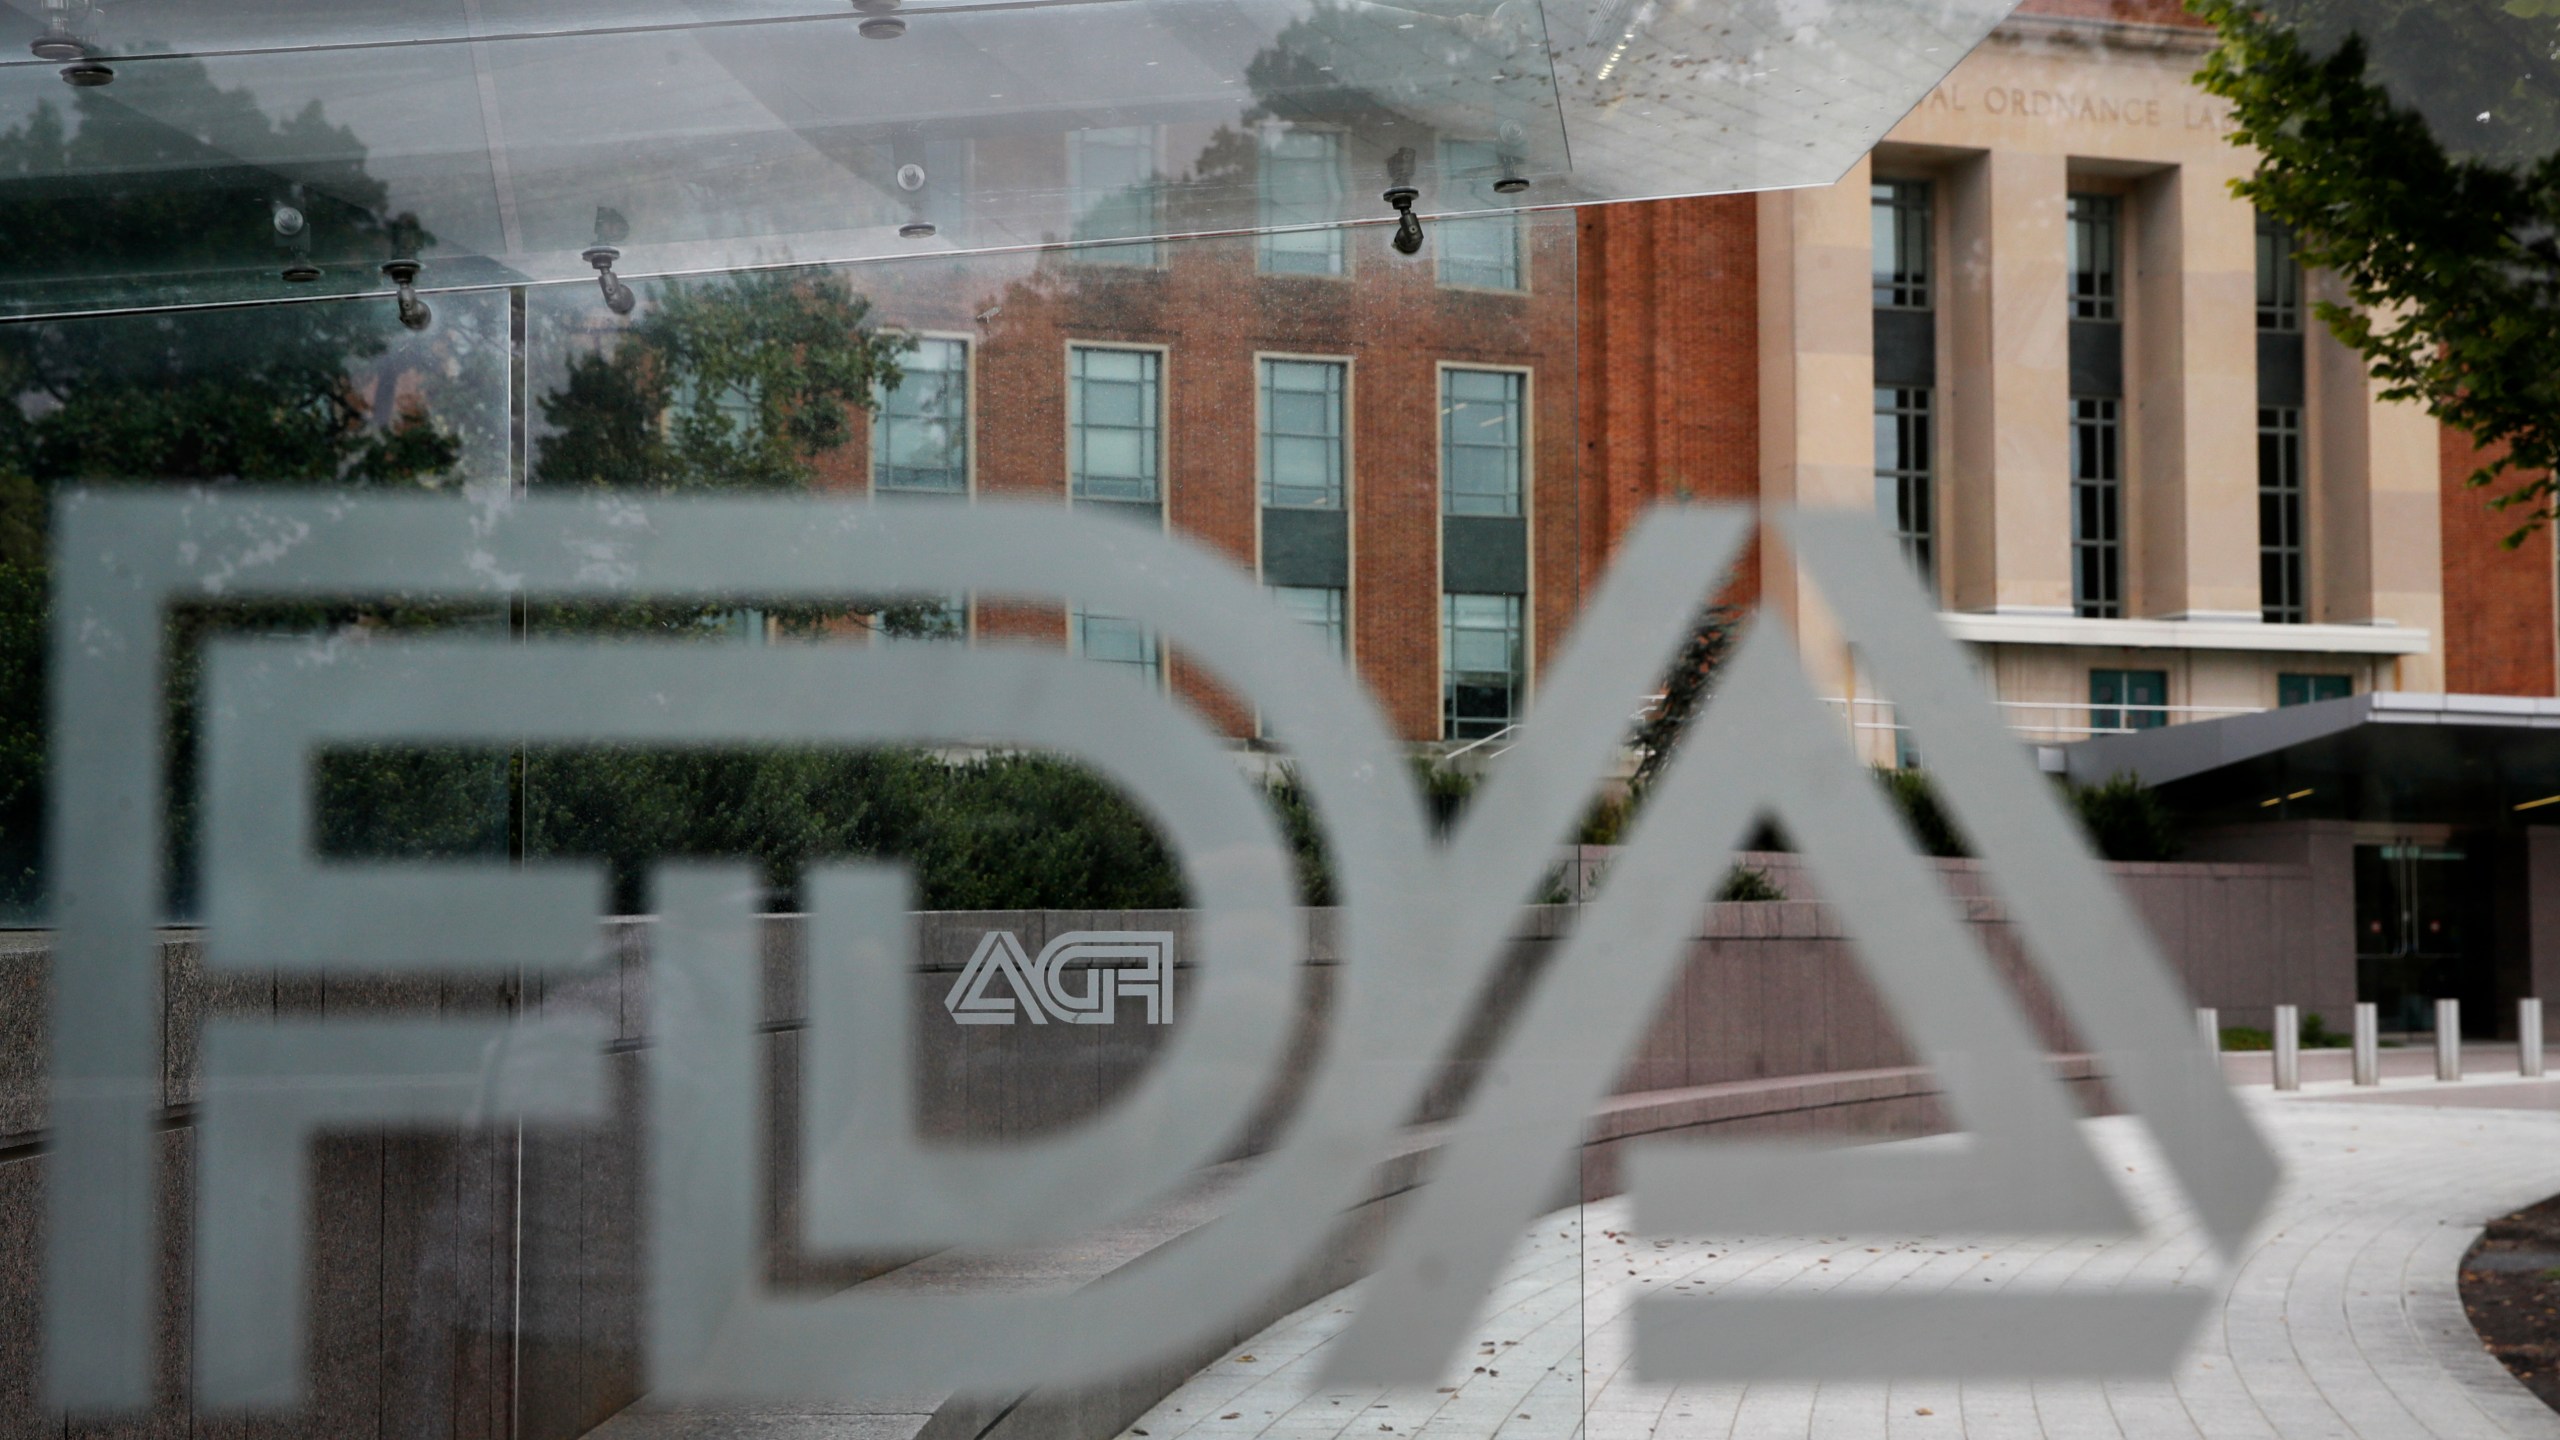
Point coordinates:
[[735, 384], [1684, 688], [2408, 146]]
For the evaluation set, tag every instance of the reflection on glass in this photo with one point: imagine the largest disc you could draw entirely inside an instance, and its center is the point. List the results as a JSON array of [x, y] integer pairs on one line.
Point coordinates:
[[920, 430], [1113, 419], [1480, 252], [1302, 433], [1113, 174], [1480, 664], [1112, 640], [329, 394], [1319, 608], [1302, 186]]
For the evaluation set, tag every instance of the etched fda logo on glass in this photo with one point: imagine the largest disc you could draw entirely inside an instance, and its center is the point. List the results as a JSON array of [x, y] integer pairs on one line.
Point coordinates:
[[1422, 927]]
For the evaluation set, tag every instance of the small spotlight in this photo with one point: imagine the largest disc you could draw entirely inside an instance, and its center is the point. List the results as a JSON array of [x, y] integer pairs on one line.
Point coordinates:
[[882, 27], [916, 230], [1408, 237], [403, 275], [1509, 185], [57, 44], [617, 296], [287, 220], [87, 75]]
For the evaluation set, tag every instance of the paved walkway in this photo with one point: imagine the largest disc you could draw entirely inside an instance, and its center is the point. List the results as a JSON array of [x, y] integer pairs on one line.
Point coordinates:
[[2342, 1320]]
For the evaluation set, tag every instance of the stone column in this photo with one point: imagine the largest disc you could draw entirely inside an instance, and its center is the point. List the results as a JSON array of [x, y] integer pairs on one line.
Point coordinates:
[[2192, 458], [2008, 386], [1817, 388]]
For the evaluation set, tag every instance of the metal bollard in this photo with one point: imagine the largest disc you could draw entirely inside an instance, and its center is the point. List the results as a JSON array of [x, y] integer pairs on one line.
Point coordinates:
[[2448, 1040], [2288, 1047], [2209, 1025], [2529, 1038], [2368, 1044]]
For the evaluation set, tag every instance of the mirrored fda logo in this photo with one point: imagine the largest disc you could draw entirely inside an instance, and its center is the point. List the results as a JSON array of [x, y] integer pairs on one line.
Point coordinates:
[[1113, 964]]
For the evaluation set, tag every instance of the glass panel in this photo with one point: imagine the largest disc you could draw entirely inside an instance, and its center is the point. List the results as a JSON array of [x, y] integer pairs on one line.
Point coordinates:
[[1302, 434], [1302, 186], [1112, 420], [1481, 453], [2093, 258], [920, 425], [501, 142], [1482, 254], [1899, 216]]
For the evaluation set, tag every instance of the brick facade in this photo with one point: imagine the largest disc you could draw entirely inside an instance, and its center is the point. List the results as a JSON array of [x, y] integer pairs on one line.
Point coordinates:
[[1670, 363], [1212, 311], [2498, 603]]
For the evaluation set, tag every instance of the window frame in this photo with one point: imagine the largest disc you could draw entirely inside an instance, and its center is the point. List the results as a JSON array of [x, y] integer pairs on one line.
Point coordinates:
[[1524, 471], [2123, 712], [1913, 218], [968, 423], [1153, 666], [1263, 360], [1515, 631], [2278, 281], [1073, 408], [2284, 590], [1335, 626], [1337, 250], [2095, 290], [1475, 191], [2097, 561], [1919, 542], [1127, 254]]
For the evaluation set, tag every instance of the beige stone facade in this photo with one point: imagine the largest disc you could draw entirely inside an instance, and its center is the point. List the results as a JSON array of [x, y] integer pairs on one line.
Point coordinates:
[[2053, 107]]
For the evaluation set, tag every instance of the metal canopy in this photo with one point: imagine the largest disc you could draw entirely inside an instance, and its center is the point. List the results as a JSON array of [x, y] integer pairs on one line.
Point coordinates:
[[495, 140], [2387, 756]]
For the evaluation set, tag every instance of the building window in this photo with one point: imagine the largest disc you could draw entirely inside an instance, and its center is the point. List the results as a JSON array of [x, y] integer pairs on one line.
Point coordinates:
[[2280, 588], [2312, 689], [1113, 175], [1480, 450], [1302, 186], [1899, 211], [920, 431], [1906, 493], [2094, 247], [2279, 279], [1302, 433], [1113, 404], [1479, 664], [2097, 509], [1480, 252], [2128, 700], [1319, 608], [1112, 640]]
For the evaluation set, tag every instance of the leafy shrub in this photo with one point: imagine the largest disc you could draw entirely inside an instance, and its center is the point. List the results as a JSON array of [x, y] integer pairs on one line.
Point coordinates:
[[1744, 883], [2126, 819], [2246, 1037], [1444, 791], [1917, 799]]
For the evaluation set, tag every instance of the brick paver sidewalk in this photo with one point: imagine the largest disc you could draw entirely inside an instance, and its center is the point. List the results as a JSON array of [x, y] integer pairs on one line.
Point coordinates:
[[2342, 1319]]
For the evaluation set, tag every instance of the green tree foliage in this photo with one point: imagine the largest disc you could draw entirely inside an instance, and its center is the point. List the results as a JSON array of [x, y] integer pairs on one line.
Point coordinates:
[[2413, 148], [738, 383]]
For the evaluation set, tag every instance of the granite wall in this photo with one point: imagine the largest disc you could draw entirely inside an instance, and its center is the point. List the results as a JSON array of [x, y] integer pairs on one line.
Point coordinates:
[[488, 1285]]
